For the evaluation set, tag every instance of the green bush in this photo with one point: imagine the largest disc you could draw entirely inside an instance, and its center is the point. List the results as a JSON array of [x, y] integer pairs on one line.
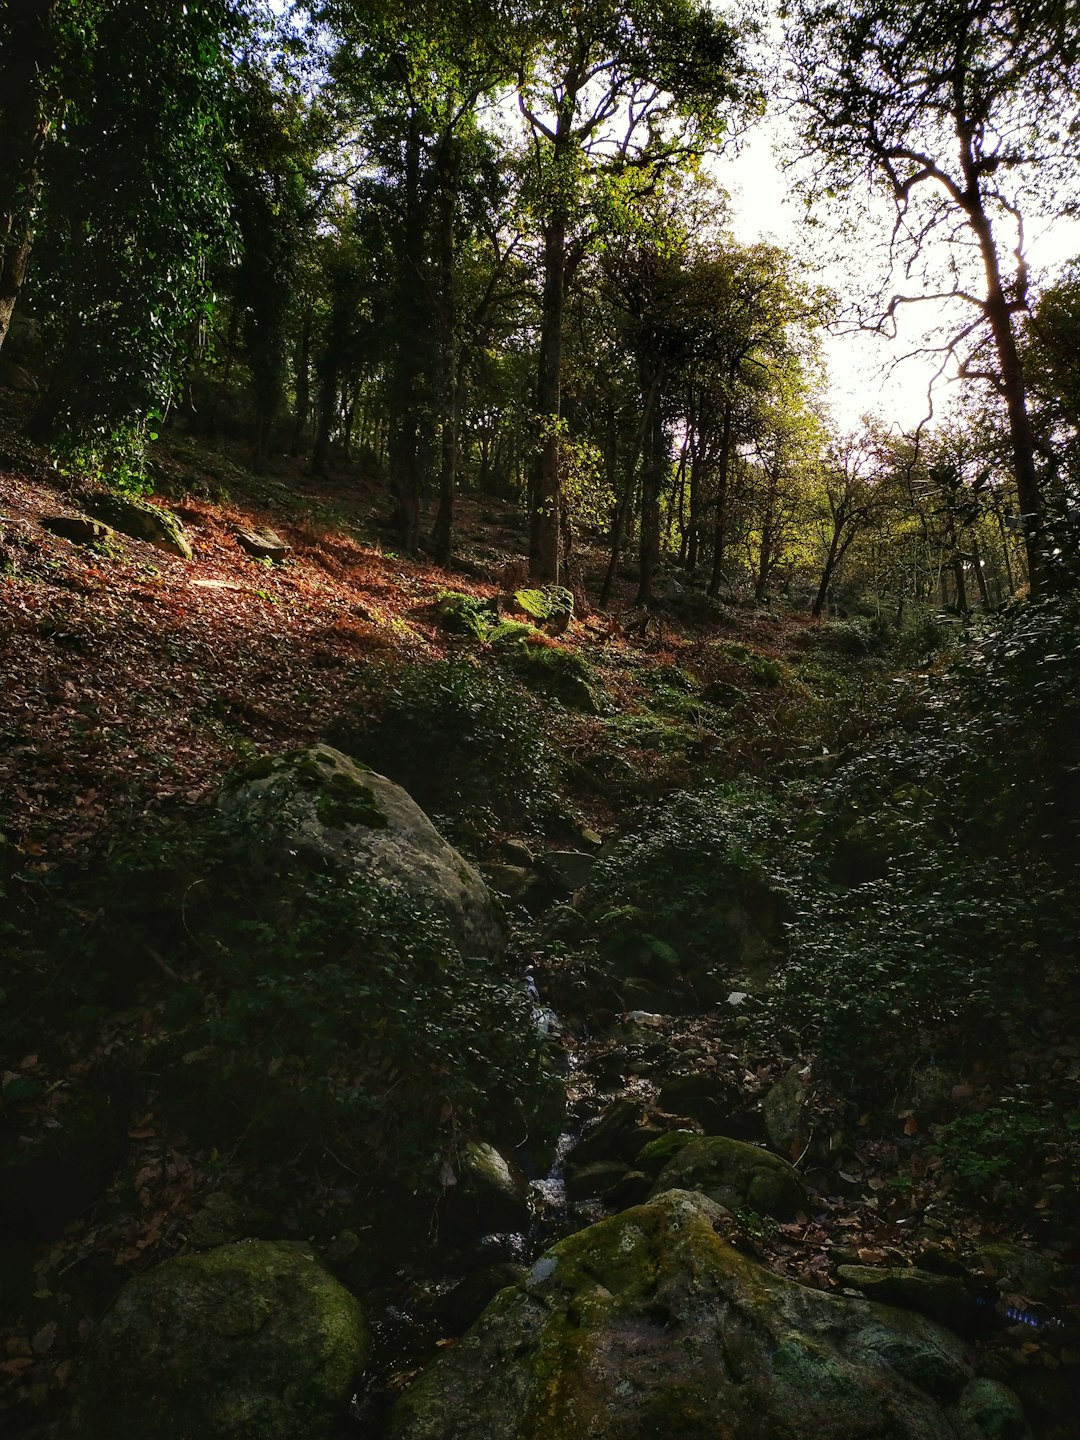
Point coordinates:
[[935, 877], [471, 747]]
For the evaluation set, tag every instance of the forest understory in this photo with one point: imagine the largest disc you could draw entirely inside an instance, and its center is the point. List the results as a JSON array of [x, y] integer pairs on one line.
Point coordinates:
[[886, 996]]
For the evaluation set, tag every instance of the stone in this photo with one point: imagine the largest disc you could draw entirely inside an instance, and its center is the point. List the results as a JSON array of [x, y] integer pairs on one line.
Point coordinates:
[[262, 544], [18, 378], [595, 1180], [614, 1136], [703, 1097], [736, 1175], [140, 520], [656, 1154], [569, 869], [491, 1193], [555, 672], [513, 882], [225, 1219], [321, 807], [79, 529], [551, 606], [242, 1341], [942, 1297], [784, 1112], [650, 1324]]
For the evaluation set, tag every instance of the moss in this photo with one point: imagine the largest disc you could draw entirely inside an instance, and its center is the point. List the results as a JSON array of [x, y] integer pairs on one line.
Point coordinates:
[[465, 614], [552, 602], [560, 674]]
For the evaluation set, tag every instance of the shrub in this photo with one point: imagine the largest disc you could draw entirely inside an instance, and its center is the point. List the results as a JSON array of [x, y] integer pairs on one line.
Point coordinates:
[[468, 745]]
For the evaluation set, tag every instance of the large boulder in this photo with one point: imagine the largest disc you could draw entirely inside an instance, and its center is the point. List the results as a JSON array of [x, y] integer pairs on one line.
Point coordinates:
[[152, 524], [325, 809], [735, 1174], [650, 1324], [246, 1341]]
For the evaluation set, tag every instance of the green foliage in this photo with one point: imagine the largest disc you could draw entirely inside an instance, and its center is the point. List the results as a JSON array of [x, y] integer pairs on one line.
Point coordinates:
[[134, 204], [467, 744], [1010, 1151], [466, 614], [934, 879], [681, 870]]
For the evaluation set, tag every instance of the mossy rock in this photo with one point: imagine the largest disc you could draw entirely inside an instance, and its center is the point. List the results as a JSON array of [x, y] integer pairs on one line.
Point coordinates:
[[655, 1155], [141, 520], [942, 1297], [735, 1174], [557, 673], [551, 605], [317, 809], [462, 614], [650, 1324], [246, 1342]]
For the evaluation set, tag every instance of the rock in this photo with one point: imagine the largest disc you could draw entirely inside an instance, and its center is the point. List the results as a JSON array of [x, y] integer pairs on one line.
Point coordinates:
[[650, 1324], [491, 1194], [79, 529], [614, 1136], [555, 672], [569, 869], [551, 606], [262, 544], [941, 1297], [735, 1175], [243, 1341], [632, 1189], [656, 1154], [459, 1306], [18, 378], [462, 614], [140, 520], [986, 1407], [784, 1111], [225, 1219], [325, 809], [706, 1099], [513, 882], [594, 1180]]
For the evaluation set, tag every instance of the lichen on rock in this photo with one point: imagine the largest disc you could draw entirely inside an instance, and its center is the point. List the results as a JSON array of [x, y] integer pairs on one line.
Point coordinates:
[[245, 1341]]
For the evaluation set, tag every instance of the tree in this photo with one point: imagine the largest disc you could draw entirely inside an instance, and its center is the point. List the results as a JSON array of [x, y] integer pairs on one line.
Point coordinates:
[[31, 103], [133, 204], [612, 90], [967, 114], [847, 500]]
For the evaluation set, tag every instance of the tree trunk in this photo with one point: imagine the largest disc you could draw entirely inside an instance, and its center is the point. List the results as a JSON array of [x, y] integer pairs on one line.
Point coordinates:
[[544, 484], [303, 386], [622, 514], [27, 57], [406, 369], [443, 534], [652, 479], [1013, 388], [720, 524]]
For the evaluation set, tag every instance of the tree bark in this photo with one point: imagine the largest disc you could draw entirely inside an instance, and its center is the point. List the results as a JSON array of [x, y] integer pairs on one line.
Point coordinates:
[[27, 57]]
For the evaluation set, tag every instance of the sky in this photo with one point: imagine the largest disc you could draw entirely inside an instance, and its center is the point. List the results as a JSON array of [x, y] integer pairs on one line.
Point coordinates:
[[863, 373]]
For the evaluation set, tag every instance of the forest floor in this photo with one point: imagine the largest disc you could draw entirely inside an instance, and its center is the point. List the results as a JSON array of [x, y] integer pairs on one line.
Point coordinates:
[[133, 682]]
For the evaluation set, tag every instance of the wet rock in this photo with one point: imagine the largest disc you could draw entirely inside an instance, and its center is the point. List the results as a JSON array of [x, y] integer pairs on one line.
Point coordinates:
[[225, 1219], [594, 1181], [246, 1340], [656, 1154], [710, 1101], [491, 1193], [651, 1324], [735, 1175], [321, 807], [941, 1297]]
